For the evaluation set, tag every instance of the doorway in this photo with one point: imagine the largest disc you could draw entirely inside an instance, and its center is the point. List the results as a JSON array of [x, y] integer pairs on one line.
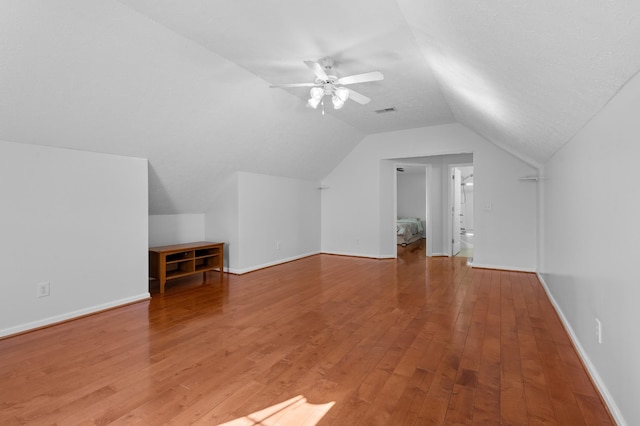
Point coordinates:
[[412, 204], [462, 228], [438, 201]]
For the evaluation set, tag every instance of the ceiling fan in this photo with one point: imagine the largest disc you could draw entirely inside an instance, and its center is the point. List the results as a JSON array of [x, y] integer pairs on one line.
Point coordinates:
[[327, 83]]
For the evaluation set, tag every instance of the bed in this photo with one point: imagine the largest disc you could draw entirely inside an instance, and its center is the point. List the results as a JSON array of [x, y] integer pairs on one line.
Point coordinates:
[[409, 230]]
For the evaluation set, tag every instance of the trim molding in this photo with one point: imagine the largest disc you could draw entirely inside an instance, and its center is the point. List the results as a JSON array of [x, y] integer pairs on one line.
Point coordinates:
[[269, 264], [31, 326], [502, 267], [593, 372], [291, 259], [369, 256]]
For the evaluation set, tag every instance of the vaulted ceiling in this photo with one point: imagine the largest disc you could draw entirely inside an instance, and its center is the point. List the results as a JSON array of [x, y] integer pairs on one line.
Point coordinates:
[[185, 83]]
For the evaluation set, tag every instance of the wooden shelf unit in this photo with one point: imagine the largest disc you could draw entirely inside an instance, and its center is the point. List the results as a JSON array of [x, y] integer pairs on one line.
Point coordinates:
[[180, 260]]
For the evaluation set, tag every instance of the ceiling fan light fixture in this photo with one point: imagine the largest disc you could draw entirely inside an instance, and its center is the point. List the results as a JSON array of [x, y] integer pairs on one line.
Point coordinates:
[[313, 103], [337, 102], [316, 93], [342, 93]]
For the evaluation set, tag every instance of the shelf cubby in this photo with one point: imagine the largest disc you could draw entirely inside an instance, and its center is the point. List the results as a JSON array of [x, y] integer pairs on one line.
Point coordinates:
[[176, 257], [180, 268], [206, 263], [207, 252]]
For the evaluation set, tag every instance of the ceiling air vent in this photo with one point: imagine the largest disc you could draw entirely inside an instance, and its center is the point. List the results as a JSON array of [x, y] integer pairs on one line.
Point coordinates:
[[385, 110]]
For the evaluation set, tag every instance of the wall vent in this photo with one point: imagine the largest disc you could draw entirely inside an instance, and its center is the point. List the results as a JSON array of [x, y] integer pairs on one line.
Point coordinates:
[[385, 110]]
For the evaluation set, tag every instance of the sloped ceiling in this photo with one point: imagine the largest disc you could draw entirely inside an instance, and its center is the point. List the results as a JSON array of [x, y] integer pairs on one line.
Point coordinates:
[[185, 83], [527, 75]]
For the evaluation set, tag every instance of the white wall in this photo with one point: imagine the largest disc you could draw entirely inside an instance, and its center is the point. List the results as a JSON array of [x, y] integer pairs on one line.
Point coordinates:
[[357, 213], [175, 229], [99, 76], [591, 245], [277, 219], [78, 220], [222, 221]]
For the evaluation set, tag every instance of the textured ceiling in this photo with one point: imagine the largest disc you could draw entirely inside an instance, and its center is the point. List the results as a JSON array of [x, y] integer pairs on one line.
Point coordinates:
[[185, 83], [526, 75], [272, 38]]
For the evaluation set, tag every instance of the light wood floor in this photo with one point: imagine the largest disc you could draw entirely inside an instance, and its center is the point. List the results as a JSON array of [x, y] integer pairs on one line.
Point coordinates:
[[326, 339]]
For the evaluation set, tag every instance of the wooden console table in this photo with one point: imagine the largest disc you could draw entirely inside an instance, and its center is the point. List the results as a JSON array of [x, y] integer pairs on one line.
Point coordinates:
[[180, 260]]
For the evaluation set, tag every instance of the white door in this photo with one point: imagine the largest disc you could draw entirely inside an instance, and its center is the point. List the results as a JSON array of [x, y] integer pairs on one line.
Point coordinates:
[[456, 179]]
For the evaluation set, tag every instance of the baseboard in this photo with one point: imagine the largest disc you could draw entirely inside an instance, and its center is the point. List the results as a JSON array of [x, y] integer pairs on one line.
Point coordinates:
[[368, 256], [502, 267], [593, 372], [30, 326], [269, 264]]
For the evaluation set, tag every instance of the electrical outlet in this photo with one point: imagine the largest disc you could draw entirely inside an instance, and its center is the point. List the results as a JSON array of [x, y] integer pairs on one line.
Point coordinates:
[[42, 289], [277, 245], [599, 331], [488, 207]]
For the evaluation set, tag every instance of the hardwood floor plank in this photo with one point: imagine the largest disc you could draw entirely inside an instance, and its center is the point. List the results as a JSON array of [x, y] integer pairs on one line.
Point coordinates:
[[384, 405], [225, 411], [513, 406], [409, 341], [460, 409], [433, 411], [593, 410]]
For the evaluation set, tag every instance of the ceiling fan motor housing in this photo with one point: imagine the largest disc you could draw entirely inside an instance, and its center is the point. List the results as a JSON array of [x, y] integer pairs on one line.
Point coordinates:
[[331, 79], [326, 63]]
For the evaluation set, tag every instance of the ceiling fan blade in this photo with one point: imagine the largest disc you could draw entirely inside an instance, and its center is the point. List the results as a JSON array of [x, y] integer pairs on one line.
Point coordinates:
[[361, 78], [294, 85], [358, 97], [317, 70]]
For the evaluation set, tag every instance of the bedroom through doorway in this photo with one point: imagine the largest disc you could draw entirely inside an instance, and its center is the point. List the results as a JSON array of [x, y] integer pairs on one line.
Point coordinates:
[[412, 218], [423, 192]]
